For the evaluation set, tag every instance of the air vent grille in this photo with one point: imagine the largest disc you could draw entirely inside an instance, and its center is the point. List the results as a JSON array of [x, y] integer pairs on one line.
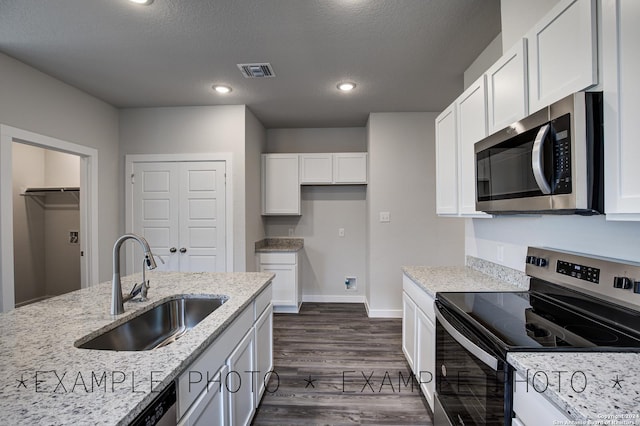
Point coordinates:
[[262, 70]]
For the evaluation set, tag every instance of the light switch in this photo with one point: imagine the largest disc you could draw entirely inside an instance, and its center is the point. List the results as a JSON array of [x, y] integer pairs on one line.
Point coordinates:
[[340, 232], [385, 217]]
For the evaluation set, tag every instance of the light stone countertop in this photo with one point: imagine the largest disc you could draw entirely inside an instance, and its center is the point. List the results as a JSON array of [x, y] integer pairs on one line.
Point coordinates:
[[282, 244], [596, 388], [44, 379]]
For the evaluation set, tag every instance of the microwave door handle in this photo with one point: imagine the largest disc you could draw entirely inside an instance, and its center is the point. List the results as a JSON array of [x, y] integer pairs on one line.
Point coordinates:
[[488, 359], [537, 159]]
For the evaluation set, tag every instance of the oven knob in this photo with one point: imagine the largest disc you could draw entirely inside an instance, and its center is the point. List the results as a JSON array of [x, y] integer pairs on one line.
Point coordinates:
[[531, 260], [541, 262], [444, 370], [622, 282]]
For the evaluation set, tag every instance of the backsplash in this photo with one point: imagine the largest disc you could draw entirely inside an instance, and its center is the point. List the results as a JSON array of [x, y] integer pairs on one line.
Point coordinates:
[[511, 276]]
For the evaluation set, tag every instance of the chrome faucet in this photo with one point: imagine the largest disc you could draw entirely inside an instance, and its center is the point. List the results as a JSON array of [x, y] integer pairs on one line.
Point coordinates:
[[117, 300]]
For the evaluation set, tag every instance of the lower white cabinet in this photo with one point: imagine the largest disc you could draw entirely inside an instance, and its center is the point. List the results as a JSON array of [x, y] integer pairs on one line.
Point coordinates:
[[532, 408], [224, 384], [287, 294], [419, 336]]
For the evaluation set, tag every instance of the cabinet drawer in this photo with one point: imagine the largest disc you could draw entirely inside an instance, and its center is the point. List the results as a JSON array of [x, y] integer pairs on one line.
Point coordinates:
[[420, 297], [263, 300], [278, 258], [192, 382]]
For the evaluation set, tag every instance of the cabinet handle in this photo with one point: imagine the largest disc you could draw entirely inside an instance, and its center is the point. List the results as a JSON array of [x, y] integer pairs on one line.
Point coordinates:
[[173, 250], [183, 250]]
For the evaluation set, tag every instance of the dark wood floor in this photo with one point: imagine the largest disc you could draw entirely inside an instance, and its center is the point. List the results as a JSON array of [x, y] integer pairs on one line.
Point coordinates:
[[336, 366]]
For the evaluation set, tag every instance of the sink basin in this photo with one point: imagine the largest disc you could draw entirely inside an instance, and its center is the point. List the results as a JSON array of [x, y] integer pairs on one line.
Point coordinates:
[[157, 327]]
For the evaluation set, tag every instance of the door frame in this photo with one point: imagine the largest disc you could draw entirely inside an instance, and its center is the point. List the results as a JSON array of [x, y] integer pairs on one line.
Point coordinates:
[[225, 157], [88, 206]]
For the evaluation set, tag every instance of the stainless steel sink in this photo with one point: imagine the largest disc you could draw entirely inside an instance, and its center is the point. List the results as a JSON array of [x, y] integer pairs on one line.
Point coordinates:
[[157, 327]]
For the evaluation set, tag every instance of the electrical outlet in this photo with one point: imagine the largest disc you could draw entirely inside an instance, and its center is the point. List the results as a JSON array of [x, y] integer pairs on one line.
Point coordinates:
[[291, 232], [340, 232], [500, 253], [385, 217]]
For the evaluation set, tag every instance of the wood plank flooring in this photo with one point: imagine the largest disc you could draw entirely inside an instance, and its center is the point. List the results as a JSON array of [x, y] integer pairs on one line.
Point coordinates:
[[336, 366]]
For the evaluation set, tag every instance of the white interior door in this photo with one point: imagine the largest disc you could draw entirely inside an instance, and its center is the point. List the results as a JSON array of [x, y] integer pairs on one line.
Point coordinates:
[[202, 218], [179, 207]]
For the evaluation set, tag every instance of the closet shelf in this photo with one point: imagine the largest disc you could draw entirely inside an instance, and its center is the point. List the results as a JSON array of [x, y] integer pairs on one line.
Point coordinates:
[[30, 192], [58, 197]]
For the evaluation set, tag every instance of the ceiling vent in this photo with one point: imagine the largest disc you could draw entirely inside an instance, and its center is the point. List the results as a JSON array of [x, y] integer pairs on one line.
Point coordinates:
[[256, 70]]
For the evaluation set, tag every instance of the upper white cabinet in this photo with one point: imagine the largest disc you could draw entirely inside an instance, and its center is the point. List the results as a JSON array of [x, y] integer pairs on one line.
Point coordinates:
[[562, 52], [446, 163], [338, 168], [458, 128], [621, 85], [471, 110], [280, 184], [507, 88]]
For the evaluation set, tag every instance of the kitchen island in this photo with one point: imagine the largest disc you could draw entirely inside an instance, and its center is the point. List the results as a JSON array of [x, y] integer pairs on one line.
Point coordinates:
[[47, 380]]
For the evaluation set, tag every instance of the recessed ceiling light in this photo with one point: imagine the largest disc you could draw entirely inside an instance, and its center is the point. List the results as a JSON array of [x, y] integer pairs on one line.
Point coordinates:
[[143, 2], [346, 86], [222, 89]]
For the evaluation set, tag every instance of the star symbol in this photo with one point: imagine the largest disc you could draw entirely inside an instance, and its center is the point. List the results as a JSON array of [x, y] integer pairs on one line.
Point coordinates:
[[616, 382], [309, 382], [21, 382]]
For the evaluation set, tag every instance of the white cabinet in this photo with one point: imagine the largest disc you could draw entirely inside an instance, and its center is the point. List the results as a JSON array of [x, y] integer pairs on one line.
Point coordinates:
[[507, 88], [211, 406], [621, 33], [287, 294], [419, 335], [316, 169], [532, 408], [446, 162], [280, 184], [350, 168], [337, 168], [242, 381], [224, 384], [472, 127], [562, 52]]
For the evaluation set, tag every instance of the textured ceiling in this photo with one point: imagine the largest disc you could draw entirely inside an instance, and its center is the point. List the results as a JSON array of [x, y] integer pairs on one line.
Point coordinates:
[[405, 55]]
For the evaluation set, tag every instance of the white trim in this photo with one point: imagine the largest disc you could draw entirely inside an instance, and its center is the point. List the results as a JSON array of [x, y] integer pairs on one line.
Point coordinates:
[[382, 313], [227, 157], [88, 206], [319, 298]]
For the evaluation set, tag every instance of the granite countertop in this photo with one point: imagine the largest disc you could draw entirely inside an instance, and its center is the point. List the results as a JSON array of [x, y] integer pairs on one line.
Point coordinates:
[[283, 244], [591, 388], [47, 380]]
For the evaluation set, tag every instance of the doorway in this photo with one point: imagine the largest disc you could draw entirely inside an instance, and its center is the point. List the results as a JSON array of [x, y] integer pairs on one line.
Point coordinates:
[[82, 236]]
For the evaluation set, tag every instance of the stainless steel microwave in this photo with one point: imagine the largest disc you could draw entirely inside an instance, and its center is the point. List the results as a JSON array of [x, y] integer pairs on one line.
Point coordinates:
[[549, 162]]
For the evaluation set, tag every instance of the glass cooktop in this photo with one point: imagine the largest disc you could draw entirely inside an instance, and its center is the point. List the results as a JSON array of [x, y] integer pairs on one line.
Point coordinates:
[[537, 321]]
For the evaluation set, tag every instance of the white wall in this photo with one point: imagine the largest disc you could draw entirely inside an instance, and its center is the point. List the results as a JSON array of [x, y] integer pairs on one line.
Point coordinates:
[[182, 130], [402, 181], [327, 258], [255, 143], [518, 16], [488, 57], [34, 101]]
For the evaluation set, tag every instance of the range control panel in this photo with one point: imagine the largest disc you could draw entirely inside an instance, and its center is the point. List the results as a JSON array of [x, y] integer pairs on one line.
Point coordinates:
[[581, 272]]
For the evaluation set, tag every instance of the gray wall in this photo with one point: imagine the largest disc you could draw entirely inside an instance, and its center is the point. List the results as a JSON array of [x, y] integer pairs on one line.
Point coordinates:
[[183, 130], [327, 258], [402, 181], [34, 101], [488, 57], [255, 142], [518, 16]]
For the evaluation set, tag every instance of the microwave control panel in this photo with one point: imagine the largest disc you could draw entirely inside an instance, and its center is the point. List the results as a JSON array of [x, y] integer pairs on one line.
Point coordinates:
[[562, 155]]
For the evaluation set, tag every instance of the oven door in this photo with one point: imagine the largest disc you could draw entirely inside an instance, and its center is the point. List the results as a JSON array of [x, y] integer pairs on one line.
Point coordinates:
[[473, 386]]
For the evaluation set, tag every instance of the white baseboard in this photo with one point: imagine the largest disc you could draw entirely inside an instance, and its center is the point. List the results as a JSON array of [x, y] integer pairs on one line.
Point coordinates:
[[319, 298], [382, 313]]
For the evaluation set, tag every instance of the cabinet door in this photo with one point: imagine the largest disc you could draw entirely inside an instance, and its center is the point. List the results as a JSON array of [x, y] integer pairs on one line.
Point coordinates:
[[533, 408], [446, 163], [621, 85], [350, 168], [284, 284], [472, 127], [562, 50], [316, 169], [507, 88], [210, 409], [280, 184], [264, 350], [426, 355], [241, 381], [409, 313]]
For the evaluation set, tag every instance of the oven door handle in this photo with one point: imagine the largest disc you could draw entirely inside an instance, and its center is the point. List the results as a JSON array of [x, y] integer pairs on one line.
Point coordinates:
[[537, 159], [486, 358]]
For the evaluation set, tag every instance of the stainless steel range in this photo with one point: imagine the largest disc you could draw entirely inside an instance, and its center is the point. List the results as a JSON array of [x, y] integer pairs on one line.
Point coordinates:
[[575, 303]]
